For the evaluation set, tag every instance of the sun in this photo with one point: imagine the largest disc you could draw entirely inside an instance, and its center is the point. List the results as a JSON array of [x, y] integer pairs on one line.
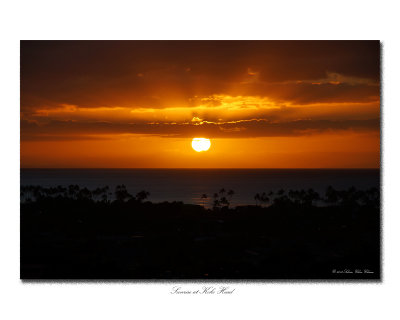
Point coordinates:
[[201, 144]]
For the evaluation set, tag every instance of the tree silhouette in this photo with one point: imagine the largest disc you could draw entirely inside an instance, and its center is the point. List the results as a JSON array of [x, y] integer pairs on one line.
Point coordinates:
[[73, 190], [221, 198], [217, 201], [100, 194], [142, 195], [121, 194], [311, 196], [351, 198], [216, 204], [104, 194], [264, 198], [261, 198], [204, 197], [224, 202], [84, 194], [331, 195]]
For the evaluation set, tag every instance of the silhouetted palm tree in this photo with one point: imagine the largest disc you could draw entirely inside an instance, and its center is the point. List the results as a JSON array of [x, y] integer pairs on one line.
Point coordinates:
[[204, 197], [311, 196], [121, 194], [263, 198], [84, 194], [73, 190], [224, 202], [331, 195], [104, 193], [96, 193], [142, 195], [216, 204], [100, 194]]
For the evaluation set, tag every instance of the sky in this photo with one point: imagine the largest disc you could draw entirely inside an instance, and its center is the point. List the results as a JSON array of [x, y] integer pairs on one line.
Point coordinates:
[[138, 104]]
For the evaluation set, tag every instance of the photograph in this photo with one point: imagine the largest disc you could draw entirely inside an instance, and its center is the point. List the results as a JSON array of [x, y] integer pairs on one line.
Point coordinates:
[[186, 160]]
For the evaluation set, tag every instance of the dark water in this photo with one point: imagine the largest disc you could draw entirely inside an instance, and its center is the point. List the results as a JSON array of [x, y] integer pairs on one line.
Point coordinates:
[[188, 185]]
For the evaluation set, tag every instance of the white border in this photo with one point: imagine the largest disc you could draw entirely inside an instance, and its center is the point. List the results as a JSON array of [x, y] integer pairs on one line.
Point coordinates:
[[196, 20]]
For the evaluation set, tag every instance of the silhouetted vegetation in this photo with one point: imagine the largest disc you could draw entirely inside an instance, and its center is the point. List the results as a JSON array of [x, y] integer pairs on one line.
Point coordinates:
[[261, 198], [204, 197], [222, 199], [77, 233]]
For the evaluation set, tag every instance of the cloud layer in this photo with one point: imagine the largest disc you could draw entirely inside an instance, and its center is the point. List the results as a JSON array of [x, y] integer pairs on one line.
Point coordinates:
[[79, 89]]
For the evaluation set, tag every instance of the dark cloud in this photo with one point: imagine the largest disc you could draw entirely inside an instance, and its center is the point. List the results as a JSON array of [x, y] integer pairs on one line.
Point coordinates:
[[157, 74], [67, 130], [309, 93]]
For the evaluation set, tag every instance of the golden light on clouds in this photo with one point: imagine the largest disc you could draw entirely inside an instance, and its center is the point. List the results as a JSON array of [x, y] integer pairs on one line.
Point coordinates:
[[320, 100]]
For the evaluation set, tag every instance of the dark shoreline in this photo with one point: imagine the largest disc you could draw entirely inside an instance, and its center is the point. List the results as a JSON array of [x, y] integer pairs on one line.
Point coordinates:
[[78, 237], [187, 185]]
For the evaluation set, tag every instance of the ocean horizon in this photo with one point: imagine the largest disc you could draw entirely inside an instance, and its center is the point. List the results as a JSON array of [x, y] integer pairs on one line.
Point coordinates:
[[188, 185]]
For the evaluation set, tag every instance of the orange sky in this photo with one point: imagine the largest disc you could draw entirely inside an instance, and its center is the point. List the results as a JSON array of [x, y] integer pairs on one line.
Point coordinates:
[[263, 104]]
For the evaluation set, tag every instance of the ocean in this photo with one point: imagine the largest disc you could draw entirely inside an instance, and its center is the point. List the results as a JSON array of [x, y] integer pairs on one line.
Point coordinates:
[[187, 185]]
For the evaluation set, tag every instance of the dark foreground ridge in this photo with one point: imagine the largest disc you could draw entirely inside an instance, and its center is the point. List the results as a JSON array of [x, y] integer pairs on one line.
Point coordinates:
[[73, 233]]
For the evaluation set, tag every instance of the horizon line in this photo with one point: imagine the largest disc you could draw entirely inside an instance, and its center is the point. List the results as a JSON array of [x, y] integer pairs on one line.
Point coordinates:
[[196, 168]]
